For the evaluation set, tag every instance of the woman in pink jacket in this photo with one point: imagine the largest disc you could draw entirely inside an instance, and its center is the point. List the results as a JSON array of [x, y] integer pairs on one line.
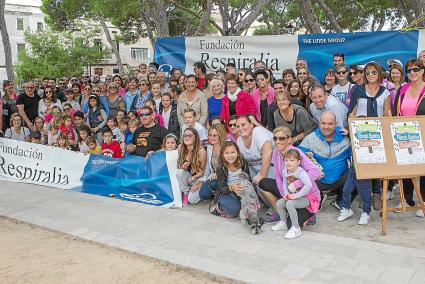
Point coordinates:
[[271, 189], [237, 101], [263, 96]]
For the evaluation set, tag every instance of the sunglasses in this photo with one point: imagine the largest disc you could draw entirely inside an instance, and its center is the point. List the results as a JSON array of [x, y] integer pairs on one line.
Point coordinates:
[[66, 109], [414, 69], [111, 88], [261, 79], [145, 114], [249, 80], [280, 138], [373, 72], [232, 125], [341, 72], [240, 74], [142, 85], [48, 92], [302, 73], [353, 73]]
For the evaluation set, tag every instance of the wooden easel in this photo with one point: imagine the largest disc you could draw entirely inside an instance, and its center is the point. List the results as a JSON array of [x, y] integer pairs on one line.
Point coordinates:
[[419, 205], [391, 170]]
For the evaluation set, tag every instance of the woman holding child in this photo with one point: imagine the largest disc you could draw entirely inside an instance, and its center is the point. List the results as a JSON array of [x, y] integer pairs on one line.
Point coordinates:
[[276, 191]]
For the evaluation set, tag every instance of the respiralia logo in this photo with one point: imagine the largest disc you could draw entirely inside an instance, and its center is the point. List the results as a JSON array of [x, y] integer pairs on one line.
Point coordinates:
[[143, 197]]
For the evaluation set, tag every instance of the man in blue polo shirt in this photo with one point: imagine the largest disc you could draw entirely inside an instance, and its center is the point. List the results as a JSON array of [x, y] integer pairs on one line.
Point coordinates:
[[332, 151]]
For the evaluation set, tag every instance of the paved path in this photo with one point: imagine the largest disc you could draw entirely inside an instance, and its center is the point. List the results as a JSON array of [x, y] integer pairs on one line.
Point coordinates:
[[212, 244]]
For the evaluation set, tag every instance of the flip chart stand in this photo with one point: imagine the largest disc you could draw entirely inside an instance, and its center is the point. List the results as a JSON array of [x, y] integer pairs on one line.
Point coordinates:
[[419, 205]]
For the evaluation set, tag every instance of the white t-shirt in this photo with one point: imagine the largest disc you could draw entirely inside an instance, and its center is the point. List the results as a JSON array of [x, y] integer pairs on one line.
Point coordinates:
[[253, 154], [341, 92], [157, 102], [166, 117], [202, 131], [362, 104]]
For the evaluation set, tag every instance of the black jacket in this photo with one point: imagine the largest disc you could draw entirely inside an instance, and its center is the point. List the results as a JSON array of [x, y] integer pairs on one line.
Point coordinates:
[[223, 174]]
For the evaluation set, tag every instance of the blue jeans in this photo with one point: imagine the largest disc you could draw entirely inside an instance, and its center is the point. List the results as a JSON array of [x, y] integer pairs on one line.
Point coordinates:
[[229, 203], [364, 188], [205, 192], [376, 186]]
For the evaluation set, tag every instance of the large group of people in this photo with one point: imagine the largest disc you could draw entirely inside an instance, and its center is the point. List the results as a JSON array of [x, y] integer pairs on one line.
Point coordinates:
[[288, 135]]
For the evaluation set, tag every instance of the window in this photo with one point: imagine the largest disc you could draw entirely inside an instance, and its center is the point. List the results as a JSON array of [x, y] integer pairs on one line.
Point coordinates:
[[98, 71], [139, 54], [40, 26], [98, 44], [20, 24], [21, 49]]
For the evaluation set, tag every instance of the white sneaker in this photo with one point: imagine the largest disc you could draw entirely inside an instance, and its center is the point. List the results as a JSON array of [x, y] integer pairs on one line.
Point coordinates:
[[344, 214], [280, 226], [293, 233], [420, 213], [364, 219]]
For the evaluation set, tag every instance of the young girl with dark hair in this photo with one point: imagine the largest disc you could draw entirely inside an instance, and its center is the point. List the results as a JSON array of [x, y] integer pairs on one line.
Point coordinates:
[[191, 166]]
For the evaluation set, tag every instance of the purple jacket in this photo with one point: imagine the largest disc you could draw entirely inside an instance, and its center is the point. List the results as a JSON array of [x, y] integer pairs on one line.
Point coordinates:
[[308, 166]]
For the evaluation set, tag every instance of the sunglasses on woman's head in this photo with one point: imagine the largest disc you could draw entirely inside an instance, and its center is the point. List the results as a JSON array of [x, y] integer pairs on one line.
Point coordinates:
[[280, 138]]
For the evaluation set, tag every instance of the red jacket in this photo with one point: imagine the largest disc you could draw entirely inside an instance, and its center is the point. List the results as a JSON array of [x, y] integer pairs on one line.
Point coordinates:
[[244, 105], [112, 150]]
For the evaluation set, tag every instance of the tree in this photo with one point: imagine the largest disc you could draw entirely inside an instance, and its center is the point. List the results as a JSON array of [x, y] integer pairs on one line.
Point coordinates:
[[6, 44], [64, 14], [56, 55]]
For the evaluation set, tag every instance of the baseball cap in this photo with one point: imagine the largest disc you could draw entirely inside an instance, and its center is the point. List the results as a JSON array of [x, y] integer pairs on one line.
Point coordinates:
[[396, 61]]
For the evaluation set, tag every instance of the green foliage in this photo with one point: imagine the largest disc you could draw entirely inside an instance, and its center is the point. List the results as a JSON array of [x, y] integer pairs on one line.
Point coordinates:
[[58, 54]]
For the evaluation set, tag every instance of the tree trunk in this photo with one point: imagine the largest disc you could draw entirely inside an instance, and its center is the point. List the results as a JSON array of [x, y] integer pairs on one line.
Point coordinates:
[[160, 18], [6, 44], [113, 46], [149, 31], [309, 16], [406, 13], [419, 7], [204, 21], [253, 15], [330, 15]]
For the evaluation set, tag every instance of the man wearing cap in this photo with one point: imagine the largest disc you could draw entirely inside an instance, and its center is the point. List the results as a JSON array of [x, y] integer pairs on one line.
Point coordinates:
[[341, 89]]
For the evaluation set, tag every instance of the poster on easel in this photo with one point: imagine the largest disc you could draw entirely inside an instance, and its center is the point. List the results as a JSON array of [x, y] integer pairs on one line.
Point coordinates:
[[368, 141], [408, 144]]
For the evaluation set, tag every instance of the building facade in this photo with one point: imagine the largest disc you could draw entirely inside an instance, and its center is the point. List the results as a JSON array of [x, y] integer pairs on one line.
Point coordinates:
[[26, 15]]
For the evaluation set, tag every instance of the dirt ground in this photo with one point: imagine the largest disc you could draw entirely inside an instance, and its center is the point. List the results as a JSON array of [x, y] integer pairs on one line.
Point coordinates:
[[31, 254]]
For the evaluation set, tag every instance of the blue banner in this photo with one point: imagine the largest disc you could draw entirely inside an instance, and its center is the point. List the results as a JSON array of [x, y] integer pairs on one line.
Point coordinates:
[[280, 52], [132, 178], [170, 52], [358, 48]]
